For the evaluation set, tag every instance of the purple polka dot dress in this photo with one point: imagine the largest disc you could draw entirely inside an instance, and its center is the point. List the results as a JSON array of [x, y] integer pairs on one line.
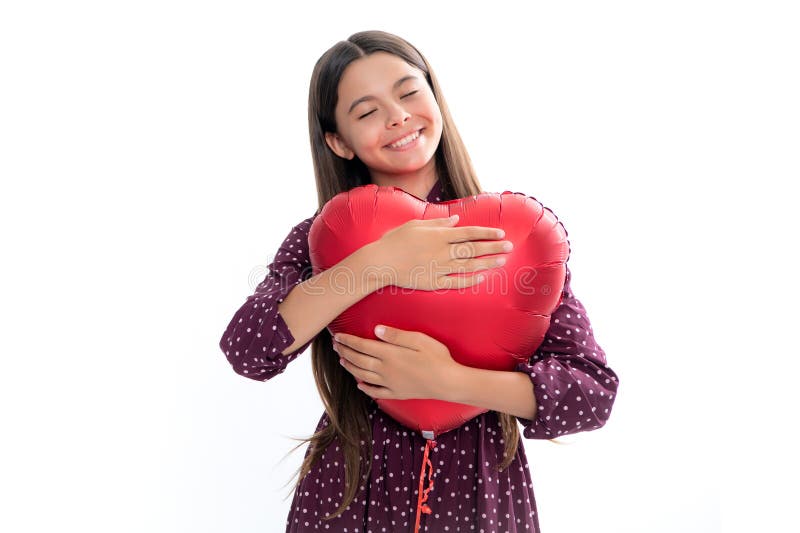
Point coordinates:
[[574, 389]]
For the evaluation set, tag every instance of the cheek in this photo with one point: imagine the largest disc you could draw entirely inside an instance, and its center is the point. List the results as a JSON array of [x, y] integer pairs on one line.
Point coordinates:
[[436, 111], [356, 139], [432, 111], [363, 135], [370, 138]]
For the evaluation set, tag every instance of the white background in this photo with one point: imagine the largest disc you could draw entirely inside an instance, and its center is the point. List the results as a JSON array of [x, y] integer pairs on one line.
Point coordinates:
[[154, 155]]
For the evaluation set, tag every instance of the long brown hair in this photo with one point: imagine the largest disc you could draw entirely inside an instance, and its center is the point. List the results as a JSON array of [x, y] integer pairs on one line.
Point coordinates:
[[346, 406]]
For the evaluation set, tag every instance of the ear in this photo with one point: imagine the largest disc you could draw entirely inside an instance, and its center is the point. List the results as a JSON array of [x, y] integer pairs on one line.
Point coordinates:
[[339, 147]]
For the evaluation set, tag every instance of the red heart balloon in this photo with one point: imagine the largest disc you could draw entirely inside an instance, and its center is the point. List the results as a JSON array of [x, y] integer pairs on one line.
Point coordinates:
[[491, 325]]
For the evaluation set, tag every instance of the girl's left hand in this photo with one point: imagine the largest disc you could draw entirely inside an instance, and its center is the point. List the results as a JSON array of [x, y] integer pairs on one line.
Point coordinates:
[[401, 365]]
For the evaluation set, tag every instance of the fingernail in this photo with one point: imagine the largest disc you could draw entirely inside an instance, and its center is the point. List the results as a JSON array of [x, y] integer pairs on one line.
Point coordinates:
[[380, 330], [508, 246], [501, 233]]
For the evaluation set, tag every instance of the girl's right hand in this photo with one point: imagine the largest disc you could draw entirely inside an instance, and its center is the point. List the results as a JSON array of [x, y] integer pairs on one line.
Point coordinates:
[[421, 253]]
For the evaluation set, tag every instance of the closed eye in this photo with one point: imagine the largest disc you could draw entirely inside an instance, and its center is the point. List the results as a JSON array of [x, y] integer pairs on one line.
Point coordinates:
[[367, 114]]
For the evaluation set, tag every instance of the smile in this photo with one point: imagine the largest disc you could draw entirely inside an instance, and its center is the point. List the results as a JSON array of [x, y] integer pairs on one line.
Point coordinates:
[[405, 140]]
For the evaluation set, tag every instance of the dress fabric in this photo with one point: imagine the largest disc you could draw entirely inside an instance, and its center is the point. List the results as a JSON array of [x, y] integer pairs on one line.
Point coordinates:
[[573, 385]]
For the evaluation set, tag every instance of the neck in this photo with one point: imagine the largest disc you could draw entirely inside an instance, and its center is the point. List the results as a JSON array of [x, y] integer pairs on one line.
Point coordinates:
[[418, 183]]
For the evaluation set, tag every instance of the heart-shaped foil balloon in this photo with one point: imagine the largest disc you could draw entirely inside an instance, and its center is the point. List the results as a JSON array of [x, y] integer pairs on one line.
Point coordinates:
[[491, 325]]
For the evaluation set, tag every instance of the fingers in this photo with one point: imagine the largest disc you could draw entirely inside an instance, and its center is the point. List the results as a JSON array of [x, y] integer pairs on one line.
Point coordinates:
[[359, 364], [374, 391], [483, 263], [398, 337], [362, 346], [460, 282], [466, 233], [470, 249], [475, 233], [472, 266]]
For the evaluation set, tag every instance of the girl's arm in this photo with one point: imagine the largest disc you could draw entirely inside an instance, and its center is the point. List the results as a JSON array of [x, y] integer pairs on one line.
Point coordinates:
[[499, 390], [574, 387], [313, 304], [277, 323], [257, 336], [566, 386]]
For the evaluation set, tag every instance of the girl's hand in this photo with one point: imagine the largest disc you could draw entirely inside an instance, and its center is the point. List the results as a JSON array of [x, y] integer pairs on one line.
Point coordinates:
[[401, 366], [421, 253]]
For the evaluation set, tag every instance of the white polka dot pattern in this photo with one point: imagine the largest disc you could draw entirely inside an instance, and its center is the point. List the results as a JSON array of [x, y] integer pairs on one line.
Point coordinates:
[[257, 335], [574, 387]]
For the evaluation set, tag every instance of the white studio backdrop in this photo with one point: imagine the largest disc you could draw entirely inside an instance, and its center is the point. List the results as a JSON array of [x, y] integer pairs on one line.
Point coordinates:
[[154, 155]]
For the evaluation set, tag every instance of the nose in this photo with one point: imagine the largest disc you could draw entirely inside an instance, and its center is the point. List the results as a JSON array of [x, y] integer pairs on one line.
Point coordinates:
[[398, 116]]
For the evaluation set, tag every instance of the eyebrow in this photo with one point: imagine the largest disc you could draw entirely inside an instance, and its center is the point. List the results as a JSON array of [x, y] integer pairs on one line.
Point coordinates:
[[397, 84]]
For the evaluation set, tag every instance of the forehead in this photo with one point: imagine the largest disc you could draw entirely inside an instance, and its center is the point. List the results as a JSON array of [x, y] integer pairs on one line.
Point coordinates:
[[373, 74]]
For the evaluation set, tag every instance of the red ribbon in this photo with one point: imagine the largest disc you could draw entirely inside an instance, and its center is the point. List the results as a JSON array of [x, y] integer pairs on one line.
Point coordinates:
[[423, 494]]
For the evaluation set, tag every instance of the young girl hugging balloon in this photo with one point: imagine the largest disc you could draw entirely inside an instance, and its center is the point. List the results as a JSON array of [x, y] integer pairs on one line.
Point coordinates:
[[377, 115]]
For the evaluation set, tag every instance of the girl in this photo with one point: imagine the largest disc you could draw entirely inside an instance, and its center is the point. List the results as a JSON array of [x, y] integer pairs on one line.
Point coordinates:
[[377, 115]]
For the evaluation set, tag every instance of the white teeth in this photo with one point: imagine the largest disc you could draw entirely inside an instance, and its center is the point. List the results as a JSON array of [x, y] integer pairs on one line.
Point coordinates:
[[404, 141]]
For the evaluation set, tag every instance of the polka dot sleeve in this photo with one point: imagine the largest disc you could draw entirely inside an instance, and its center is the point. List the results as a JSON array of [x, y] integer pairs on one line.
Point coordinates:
[[574, 387], [257, 334]]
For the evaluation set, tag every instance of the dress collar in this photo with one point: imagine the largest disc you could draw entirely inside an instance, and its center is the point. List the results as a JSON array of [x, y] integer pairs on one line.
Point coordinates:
[[435, 195]]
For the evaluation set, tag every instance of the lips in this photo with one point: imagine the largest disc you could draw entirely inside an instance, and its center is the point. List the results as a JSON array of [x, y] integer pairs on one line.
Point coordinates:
[[420, 130]]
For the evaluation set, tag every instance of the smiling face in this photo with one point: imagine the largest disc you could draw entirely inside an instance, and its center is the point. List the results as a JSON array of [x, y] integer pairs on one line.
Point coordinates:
[[382, 100]]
